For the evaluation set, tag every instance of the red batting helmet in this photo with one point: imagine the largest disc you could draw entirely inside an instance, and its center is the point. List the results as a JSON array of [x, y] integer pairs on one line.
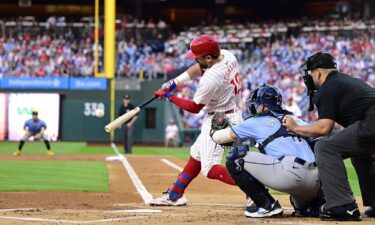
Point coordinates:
[[203, 45]]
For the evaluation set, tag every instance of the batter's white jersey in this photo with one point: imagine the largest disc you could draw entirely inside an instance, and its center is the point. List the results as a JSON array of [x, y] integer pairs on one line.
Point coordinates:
[[220, 85], [219, 90]]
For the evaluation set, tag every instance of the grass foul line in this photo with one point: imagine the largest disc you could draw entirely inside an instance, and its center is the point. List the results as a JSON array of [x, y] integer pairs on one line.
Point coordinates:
[[147, 197], [171, 164]]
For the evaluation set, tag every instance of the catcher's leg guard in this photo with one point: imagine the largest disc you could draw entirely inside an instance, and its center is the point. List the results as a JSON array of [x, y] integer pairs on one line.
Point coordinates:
[[248, 184], [178, 187]]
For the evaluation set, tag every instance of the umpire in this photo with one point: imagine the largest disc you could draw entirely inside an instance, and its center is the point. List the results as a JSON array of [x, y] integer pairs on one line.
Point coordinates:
[[349, 102]]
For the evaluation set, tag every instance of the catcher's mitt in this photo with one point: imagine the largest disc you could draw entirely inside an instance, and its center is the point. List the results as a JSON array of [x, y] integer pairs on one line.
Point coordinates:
[[220, 121]]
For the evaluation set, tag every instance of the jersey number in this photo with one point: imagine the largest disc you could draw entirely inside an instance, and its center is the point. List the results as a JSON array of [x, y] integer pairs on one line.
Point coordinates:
[[236, 83]]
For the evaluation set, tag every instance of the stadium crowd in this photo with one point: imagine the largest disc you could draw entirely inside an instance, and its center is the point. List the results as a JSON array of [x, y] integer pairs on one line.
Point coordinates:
[[268, 53]]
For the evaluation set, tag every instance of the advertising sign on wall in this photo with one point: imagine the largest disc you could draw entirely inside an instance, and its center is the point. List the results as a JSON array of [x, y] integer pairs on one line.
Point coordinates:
[[34, 83], [3, 108], [20, 109], [88, 83]]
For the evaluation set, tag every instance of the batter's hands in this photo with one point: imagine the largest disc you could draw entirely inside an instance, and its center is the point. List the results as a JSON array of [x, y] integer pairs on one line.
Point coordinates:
[[289, 123], [169, 86], [162, 94]]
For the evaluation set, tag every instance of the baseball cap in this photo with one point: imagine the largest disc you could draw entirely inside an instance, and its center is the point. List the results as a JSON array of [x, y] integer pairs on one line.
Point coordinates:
[[126, 97], [320, 60], [203, 45]]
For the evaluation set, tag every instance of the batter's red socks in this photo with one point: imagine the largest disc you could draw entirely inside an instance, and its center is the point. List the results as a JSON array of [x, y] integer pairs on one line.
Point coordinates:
[[219, 172], [191, 170]]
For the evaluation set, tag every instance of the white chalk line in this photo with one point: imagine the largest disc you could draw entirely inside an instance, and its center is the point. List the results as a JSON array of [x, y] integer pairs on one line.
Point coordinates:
[[134, 211], [73, 221], [147, 197], [171, 164], [17, 209]]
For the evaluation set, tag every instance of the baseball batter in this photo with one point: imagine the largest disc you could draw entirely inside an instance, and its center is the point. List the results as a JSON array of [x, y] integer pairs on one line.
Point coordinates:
[[286, 164], [34, 127], [218, 90]]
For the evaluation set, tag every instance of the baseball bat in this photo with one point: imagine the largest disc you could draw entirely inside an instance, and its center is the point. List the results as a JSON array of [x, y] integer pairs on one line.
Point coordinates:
[[127, 116]]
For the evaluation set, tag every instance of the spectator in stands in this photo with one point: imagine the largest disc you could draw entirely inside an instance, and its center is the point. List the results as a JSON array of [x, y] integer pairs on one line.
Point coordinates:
[[171, 134], [292, 106]]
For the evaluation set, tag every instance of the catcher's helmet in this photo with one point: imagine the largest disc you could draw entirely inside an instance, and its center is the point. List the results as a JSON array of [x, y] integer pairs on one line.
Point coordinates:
[[203, 45], [266, 95]]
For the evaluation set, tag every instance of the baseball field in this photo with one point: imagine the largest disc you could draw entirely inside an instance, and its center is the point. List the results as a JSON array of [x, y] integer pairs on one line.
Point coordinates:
[[95, 184]]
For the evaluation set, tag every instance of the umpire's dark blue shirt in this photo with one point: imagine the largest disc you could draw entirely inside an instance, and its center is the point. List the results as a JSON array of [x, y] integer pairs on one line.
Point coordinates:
[[343, 99]]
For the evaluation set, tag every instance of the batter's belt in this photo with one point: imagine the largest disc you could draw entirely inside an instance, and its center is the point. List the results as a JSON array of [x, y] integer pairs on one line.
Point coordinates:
[[298, 161]]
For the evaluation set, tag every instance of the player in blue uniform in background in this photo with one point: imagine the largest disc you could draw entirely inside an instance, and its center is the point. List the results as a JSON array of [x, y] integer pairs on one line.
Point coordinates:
[[285, 162], [34, 127]]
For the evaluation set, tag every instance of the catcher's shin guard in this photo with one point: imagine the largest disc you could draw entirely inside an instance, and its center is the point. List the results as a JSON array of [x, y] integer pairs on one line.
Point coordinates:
[[178, 187], [248, 184]]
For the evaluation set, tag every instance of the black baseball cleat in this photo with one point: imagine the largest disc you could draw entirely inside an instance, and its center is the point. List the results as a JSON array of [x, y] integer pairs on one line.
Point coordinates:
[[348, 212], [272, 210], [370, 211], [250, 206]]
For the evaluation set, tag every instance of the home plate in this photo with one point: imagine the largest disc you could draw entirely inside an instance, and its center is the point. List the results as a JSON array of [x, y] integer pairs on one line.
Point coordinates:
[[114, 158], [135, 211]]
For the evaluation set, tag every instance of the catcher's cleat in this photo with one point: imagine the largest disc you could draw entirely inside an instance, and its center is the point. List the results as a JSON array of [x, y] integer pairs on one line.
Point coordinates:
[[50, 153], [250, 206], [17, 153], [165, 201], [274, 210]]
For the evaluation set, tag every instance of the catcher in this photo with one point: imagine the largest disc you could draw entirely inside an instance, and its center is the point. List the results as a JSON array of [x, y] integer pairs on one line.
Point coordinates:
[[34, 127], [285, 162]]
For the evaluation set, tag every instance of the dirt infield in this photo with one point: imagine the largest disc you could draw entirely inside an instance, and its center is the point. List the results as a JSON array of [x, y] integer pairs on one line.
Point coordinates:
[[210, 202]]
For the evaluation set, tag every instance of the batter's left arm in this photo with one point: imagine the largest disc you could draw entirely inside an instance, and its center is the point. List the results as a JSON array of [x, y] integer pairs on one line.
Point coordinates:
[[186, 104]]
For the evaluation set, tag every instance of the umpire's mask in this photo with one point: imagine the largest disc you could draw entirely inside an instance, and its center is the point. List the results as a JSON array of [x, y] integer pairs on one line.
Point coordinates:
[[318, 60]]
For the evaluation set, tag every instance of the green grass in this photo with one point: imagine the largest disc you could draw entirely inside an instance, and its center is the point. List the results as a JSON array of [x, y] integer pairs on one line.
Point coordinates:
[[57, 147], [82, 148], [53, 176]]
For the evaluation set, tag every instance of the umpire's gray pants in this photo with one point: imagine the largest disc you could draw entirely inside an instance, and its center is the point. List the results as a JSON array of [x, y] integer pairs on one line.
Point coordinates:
[[329, 153], [300, 181]]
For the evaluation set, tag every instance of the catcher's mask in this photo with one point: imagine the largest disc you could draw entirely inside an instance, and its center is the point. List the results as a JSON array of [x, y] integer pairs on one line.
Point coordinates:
[[318, 60], [266, 95]]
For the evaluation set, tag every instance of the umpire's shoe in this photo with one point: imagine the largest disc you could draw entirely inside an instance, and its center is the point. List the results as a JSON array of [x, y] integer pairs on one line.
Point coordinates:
[[370, 211], [273, 210], [348, 212]]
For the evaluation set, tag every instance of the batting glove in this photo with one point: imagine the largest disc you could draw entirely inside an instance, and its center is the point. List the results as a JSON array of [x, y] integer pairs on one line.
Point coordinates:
[[169, 86], [162, 94]]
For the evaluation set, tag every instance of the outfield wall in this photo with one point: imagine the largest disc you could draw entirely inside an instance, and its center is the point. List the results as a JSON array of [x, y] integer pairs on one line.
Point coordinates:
[[77, 121]]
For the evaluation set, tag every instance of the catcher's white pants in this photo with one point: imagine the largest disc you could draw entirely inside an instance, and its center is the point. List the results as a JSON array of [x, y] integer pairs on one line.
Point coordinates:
[[205, 149], [285, 175]]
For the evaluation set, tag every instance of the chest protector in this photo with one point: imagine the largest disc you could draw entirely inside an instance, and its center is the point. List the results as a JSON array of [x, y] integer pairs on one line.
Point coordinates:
[[281, 132]]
